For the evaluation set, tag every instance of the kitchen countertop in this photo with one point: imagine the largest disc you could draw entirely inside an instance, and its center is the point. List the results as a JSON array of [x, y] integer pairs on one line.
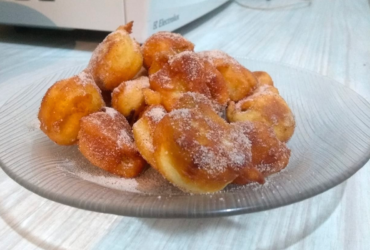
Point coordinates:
[[330, 37]]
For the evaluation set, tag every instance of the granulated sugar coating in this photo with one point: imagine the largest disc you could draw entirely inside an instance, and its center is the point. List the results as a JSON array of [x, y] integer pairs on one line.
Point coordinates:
[[110, 111], [190, 63], [125, 139], [164, 43], [260, 92], [213, 145], [116, 59], [193, 100], [218, 58], [265, 105], [97, 55], [265, 89], [148, 183], [269, 155], [85, 78], [128, 98], [188, 72], [170, 36], [138, 83], [113, 125], [102, 48], [198, 151], [106, 140], [64, 104], [156, 114]]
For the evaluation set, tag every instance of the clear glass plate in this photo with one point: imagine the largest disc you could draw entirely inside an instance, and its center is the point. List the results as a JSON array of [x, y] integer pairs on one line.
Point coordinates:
[[331, 142]]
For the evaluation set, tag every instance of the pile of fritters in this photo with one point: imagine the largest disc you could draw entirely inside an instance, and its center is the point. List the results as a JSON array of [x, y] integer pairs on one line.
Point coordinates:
[[202, 120]]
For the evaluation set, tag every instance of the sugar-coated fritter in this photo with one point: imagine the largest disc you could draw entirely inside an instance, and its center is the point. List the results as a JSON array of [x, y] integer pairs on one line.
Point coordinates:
[[65, 103], [128, 98], [269, 154], [106, 140], [144, 129], [267, 106], [240, 81], [197, 151], [164, 42], [188, 72], [118, 58]]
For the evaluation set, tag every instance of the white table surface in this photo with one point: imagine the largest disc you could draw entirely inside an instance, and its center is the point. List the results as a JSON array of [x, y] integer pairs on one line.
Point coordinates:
[[331, 37]]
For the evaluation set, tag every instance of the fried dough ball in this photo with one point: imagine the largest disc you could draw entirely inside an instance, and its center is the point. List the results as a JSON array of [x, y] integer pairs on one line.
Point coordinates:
[[164, 42], [197, 151], [240, 81], [188, 72], [190, 100], [106, 140], [263, 78], [269, 154], [118, 58], [266, 106], [143, 131], [65, 103], [128, 98]]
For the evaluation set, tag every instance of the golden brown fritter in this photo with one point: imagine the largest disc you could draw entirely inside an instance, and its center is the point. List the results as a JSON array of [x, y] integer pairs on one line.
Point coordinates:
[[165, 43], [144, 129], [65, 103], [128, 98], [118, 58], [198, 151], [267, 106], [106, 140], [188, 72], [240, 81], [269, 154]]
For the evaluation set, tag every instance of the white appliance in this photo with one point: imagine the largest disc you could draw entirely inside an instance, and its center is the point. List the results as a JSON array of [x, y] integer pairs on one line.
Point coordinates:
[[149, 16]]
